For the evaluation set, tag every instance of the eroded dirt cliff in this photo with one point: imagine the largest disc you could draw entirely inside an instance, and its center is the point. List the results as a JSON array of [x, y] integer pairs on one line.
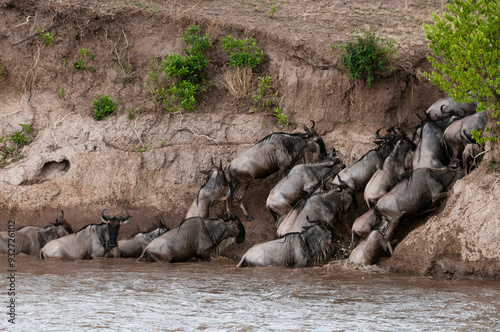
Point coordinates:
[[81, 165]]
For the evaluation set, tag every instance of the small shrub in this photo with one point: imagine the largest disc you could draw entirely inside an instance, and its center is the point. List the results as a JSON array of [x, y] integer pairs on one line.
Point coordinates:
[[61, 93], [242, 52], [272, 11], [103, 107], [185, 74], [47, 39], [367, 54], [262, 97], [19, 137], [282, 118], [130, 114], [80, 64]]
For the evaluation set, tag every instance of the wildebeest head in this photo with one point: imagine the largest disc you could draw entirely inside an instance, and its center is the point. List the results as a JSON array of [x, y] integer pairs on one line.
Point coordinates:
[[216, 178], [319, 239], [114, 223], [316, 150], [61, 226], [228, 217]]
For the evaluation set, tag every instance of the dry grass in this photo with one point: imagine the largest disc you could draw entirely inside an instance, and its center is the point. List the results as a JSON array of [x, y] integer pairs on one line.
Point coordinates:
[[239, 81]]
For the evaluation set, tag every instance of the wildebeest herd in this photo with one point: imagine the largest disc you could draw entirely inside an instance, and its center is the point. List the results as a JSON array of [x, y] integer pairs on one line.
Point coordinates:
[[401, 177]]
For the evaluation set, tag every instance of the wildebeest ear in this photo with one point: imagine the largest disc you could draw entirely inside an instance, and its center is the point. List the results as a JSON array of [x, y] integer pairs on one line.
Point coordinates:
[[306, 227], [205, 172], [212, 161], [155, 226]]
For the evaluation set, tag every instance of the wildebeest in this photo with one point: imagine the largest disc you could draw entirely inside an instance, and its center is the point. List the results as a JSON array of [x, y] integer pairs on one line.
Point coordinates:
[[195, 237], [363, 225], [30, 239], [447, 107], [370, 249], [391, 172], [430, 151], [358, 174], [209, 193], [92, 241], [275, 152], [135, 245], [422, 189], [472, 155], [295, 250], [458, 134], [301, 181], [329, 206]]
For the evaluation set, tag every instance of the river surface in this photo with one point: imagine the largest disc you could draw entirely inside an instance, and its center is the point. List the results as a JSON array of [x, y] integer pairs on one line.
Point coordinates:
[[125, 295]]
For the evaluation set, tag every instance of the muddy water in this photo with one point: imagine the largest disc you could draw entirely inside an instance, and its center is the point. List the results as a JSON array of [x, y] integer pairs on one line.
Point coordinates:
[[124, 295]]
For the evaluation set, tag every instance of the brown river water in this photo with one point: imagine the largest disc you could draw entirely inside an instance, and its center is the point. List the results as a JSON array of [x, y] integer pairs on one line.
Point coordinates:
[[125, 295]]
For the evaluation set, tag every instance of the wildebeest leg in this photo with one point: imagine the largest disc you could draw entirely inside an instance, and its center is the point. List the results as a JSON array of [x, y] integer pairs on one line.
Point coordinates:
[[388, 229], [438, 197], [238, 197]]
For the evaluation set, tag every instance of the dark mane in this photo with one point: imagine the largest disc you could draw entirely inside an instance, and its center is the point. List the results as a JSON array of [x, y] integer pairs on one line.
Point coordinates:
[[81, 229], [152, 228], [287, 137]]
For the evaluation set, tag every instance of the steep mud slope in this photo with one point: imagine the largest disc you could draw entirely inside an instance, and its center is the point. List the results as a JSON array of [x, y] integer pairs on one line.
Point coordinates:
[[149, 161]]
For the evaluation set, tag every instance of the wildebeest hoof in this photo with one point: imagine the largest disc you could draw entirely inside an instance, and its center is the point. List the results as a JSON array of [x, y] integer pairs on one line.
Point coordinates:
[[249, 218]]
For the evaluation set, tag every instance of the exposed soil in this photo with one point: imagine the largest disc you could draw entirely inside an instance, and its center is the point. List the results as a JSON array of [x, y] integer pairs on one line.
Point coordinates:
[[82, 166]]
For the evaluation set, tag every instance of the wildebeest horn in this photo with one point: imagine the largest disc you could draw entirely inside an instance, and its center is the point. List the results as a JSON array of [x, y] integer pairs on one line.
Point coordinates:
[[127, 218], [314, 124], [104, 217], [212, 161], [162, 223], [334, 153], [308, 132], [377, 134], [220, 165]]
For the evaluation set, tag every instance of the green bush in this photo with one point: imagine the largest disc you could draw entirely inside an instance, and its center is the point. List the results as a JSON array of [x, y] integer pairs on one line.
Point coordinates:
[[464, 45], [242, 52], [367, 54], [185, 73], [47, 39], [103, 107], [282, 118], [262, 98]]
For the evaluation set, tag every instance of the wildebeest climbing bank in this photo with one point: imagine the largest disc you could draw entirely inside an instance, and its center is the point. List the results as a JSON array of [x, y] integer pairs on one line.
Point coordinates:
[[287, 156]]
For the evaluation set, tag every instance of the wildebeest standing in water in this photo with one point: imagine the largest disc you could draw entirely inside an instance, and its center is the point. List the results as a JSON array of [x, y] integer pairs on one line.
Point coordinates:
[[370, 249], [209, 193], [195, 237], [295, 250], [391, 172], [92, 241], [329, 206], [135, 245], [30, 239], [275, 152], [302, 181], [421, 190]]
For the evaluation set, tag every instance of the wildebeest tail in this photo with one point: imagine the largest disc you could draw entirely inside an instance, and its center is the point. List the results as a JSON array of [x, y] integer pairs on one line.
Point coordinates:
[[242, 263], [41, 255]]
